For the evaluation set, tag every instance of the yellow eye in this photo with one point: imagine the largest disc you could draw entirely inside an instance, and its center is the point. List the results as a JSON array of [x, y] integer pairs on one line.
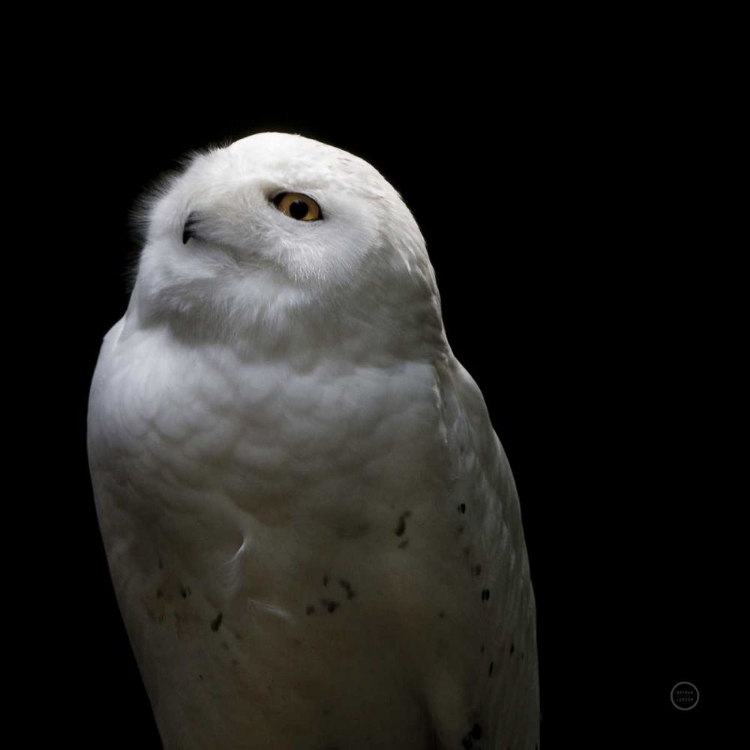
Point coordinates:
[[298, 206]]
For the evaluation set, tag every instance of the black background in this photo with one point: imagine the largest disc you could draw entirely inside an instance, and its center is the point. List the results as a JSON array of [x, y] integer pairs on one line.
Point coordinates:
[[570, 216]]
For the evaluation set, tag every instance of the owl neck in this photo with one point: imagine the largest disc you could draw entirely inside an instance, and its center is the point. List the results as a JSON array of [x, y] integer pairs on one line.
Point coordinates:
[[263, 321]]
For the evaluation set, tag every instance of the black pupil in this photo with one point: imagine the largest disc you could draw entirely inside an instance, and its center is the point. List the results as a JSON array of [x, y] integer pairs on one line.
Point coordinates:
[[299, 209]]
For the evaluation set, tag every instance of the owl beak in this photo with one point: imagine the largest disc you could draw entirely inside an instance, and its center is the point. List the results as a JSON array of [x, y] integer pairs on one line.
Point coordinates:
[[188, 231]]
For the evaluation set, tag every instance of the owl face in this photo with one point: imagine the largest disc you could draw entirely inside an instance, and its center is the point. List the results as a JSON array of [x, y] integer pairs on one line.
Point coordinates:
[[307, 214], [274, 225]]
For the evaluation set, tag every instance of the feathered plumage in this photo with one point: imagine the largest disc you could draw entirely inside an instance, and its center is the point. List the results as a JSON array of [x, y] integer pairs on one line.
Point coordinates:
[[311, 526]]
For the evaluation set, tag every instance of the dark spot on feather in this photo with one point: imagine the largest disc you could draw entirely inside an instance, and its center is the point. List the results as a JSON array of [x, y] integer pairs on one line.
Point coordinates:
[[462, 507], [441, 615], [216, 622], [476, 732], [330, 604], [310, 609], [161, 564], [512, 647], [492, 666], [466, 742], [401, 528], [184, 591], [348, 588], [485, 595], [476, 570], [200, 676], [481, 650], [325, 580], [159, 593], [404, 544]]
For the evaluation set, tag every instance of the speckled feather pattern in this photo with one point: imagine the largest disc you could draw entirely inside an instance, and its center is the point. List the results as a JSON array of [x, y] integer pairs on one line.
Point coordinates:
[[312, 529]]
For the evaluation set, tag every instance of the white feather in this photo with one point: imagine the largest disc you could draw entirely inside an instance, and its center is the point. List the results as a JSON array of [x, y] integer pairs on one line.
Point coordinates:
[[299, 489]]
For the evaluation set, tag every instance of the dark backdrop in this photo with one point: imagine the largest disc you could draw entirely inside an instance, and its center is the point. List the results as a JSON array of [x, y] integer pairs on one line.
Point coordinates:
[[563, 219]]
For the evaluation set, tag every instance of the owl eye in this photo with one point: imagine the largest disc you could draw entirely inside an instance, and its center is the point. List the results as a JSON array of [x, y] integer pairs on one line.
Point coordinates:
[[298, 206]]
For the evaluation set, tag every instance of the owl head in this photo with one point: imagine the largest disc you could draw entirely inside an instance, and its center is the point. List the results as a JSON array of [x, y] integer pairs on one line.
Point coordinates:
[[277, 237]]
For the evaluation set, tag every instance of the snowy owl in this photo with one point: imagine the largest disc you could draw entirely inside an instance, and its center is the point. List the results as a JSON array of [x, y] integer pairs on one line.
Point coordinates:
[[311, 526]]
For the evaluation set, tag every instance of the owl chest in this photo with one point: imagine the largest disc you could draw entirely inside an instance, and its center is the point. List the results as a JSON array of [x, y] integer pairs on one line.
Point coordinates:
[[260, 436], [255, 483], [264, 522]]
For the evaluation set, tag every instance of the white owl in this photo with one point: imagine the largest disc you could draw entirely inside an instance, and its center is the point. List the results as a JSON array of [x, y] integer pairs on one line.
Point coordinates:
[[311, 526]]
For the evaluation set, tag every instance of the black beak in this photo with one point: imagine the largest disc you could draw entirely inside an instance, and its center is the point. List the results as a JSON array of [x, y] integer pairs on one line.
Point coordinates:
[[188, 230]]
